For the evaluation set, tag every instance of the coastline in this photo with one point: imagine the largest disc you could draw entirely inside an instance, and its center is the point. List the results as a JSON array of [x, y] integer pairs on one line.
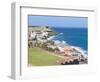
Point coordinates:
[[76, 47], [44, 38], [74, 36], [70, 58]]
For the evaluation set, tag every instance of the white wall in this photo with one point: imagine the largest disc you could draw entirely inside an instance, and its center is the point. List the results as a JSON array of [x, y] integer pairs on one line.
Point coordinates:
[[5, 36]]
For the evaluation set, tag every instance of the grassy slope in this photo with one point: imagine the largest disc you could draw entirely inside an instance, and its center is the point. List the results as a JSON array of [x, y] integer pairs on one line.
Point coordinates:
[[39, 57]]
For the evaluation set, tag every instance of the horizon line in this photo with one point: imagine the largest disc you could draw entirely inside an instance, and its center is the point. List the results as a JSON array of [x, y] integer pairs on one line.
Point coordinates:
[[58, 27]]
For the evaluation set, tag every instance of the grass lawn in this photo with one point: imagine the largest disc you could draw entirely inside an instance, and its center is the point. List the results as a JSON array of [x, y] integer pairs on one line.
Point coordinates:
[[39, 57]]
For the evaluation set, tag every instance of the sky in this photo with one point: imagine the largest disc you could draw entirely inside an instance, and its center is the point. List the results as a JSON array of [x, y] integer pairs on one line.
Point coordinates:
[[58, 21]]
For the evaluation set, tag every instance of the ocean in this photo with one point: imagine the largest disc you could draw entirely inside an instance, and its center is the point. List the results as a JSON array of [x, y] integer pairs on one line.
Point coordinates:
[[73, 36]]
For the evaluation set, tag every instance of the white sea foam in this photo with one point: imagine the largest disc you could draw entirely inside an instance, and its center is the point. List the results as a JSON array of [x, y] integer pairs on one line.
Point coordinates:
[[57, 42], [64, 42], [51, 38], [61, 33], [84, 52]]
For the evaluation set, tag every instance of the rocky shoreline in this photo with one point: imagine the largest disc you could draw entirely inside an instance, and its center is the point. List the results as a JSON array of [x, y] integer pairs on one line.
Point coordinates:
[[42, 37]]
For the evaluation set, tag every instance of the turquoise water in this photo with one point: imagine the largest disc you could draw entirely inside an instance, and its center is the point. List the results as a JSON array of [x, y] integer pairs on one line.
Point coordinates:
[[73, 36]]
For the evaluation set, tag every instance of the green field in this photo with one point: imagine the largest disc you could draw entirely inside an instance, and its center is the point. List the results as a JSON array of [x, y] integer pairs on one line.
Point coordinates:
[[39, 57]]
